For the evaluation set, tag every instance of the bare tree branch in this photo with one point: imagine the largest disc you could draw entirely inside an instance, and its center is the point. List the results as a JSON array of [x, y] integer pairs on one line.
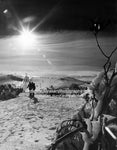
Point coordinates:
[[113, 52], [107, 65], [103, 104], [100, 46]]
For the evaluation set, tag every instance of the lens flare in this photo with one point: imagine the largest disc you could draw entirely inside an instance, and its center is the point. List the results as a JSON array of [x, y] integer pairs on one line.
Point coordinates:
[[27, 39]]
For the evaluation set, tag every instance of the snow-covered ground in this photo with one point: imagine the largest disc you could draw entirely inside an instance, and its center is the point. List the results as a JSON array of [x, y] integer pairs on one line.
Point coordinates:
[[28, 126]]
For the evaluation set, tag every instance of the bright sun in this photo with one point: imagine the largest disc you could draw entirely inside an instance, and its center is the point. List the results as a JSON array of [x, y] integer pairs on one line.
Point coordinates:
[[26, 39]]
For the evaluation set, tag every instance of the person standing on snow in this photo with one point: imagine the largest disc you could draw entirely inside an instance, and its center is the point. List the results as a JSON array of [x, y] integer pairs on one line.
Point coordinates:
[[32, 88], [25, 82]]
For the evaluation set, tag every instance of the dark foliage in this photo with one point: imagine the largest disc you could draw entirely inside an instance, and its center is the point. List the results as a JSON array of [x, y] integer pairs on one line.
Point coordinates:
[[8, 91]]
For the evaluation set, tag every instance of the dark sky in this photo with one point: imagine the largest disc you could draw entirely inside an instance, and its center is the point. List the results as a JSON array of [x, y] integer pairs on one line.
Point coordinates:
[[61, 14]]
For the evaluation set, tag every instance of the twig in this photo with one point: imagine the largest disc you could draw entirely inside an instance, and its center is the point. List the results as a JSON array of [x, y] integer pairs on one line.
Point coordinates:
[[100, 46], [113, 52]]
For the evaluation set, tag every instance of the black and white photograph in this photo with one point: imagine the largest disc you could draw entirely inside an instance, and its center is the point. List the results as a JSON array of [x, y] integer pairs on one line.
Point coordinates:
[[58, 74]]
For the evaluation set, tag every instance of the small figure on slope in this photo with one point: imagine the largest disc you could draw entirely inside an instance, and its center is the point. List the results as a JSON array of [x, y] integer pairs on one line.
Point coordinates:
[[32, 88]]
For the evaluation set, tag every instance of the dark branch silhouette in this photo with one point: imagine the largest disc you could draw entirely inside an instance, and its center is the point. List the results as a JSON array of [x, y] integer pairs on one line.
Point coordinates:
[[101, 108]]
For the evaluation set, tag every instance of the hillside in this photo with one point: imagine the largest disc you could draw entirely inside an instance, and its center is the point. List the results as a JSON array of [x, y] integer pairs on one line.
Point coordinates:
[[28, 126], [67, 82], [4, 79], [59, 82]]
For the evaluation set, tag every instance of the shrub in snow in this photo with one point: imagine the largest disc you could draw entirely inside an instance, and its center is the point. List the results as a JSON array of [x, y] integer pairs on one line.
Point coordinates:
[[8, 91]]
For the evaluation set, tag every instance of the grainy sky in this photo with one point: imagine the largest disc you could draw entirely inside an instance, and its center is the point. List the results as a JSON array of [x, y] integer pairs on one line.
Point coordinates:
[[64, 41]]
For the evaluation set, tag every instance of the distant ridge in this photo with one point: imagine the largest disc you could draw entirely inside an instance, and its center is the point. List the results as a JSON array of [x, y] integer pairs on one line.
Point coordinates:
[[7, 78], [67, 82], [73, 80]]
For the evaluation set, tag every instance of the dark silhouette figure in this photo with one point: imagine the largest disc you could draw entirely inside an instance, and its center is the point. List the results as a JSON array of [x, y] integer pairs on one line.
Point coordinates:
[[32, 88]]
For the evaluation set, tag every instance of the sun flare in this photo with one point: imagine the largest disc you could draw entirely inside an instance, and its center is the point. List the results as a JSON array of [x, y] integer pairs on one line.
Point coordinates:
[[27, 39]]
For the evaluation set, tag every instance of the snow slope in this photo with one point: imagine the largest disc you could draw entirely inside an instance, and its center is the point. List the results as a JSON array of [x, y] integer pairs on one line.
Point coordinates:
[[28, 126]]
